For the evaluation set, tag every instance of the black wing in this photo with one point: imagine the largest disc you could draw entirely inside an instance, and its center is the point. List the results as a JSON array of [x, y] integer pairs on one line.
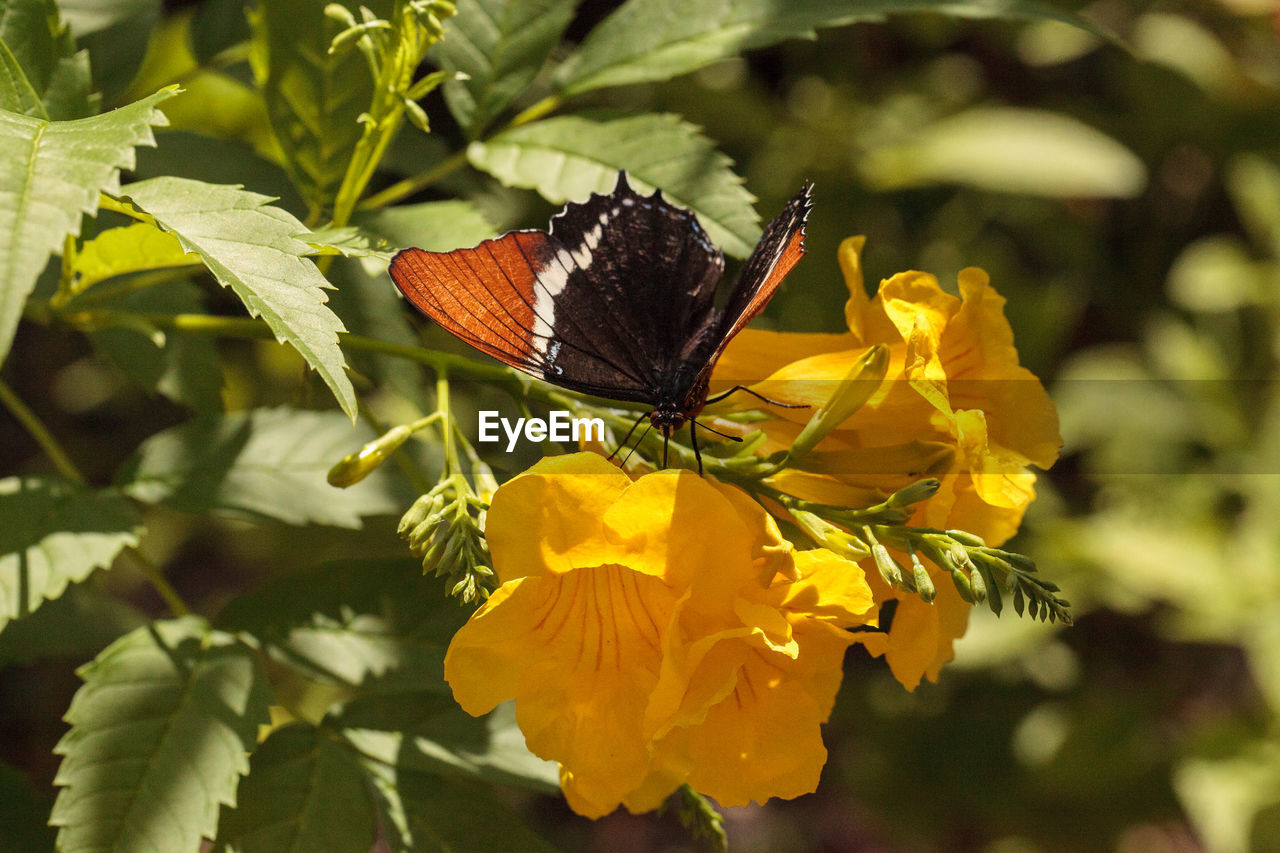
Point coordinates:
[[780, 248], [602, 304]]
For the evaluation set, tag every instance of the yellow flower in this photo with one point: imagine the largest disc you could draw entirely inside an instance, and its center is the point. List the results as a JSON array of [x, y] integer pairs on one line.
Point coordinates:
[[654, 633], [955, 405]]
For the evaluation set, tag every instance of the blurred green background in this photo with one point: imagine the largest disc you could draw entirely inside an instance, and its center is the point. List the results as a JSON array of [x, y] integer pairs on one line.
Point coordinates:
[[1126, 203]]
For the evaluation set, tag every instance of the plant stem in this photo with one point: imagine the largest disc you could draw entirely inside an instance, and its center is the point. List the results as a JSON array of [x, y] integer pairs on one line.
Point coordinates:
[[172, 600], [33, 425], [407, 187]]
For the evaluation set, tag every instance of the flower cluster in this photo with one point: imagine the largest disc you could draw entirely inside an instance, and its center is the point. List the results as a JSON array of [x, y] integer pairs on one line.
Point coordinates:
[[954, 404], [660, 631], [655, 633]]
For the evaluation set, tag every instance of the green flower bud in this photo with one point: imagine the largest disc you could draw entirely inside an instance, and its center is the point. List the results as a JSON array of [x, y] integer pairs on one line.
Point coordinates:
[[924, 584], [354, 468]]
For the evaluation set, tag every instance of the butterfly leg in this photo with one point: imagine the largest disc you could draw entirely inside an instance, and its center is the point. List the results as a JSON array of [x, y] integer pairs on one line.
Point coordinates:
[[717, 398], [628, 436], [693, 438], [666, 442]]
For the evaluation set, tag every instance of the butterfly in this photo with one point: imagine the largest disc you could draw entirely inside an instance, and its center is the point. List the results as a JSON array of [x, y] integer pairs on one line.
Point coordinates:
[[616, 300]]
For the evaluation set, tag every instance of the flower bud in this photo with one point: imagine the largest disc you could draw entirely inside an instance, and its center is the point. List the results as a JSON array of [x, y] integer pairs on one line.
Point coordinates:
[[920, 490], [924, 584], [889, 568], [355, 467]]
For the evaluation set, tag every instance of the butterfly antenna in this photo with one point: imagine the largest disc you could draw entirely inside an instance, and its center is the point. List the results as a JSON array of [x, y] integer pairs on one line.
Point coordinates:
[[717, 398], [627, 437], [637, 444], [737, 438]]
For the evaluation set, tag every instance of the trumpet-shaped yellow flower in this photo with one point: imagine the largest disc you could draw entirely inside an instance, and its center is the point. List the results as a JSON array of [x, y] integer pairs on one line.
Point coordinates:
[[657, 632], [955, 404]]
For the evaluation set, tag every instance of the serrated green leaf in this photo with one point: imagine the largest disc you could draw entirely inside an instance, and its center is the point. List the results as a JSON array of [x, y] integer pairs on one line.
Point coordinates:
[[314, 98], [426, 731], [16, 92], [500, 45], [569, 157], [305, 792], [53, 533], [249, 246], [434, 813], [77, 625], [1004, 149], [160, 735], [44, 53], [352, 621], [265, 463], [23, 812], [648, 40], [64, 167], [184, 367]]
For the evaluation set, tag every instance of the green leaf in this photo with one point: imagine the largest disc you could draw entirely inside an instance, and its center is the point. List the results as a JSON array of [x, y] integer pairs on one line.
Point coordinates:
[[568, 157], [648, 40], [41, 61], [306, 791], [53, 533], [64, 166], [160, 733], [184, 366], [437, 226], [352, 621], [349, 242], [426, 731], [124, 250], [265, 463], [314, 98], [23, 812], [77, 625], [434, 813], [500, 45], [249, 246], [16, 92], [1007, 149]]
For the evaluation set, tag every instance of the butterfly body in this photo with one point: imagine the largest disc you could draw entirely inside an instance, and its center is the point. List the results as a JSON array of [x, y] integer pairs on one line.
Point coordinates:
[[617, 300]]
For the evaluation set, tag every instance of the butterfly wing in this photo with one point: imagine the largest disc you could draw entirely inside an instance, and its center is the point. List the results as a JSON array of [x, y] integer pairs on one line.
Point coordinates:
[[601, 304], [780, 248]]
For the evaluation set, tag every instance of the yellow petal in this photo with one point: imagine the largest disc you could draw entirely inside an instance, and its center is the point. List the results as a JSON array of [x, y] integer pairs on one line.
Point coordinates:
[[982, 362], [755, 354], [920, 639], [849, 255], [548, 518], [488, 655], [597, 645], [830, 588], [659, 526], [763, 740]]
